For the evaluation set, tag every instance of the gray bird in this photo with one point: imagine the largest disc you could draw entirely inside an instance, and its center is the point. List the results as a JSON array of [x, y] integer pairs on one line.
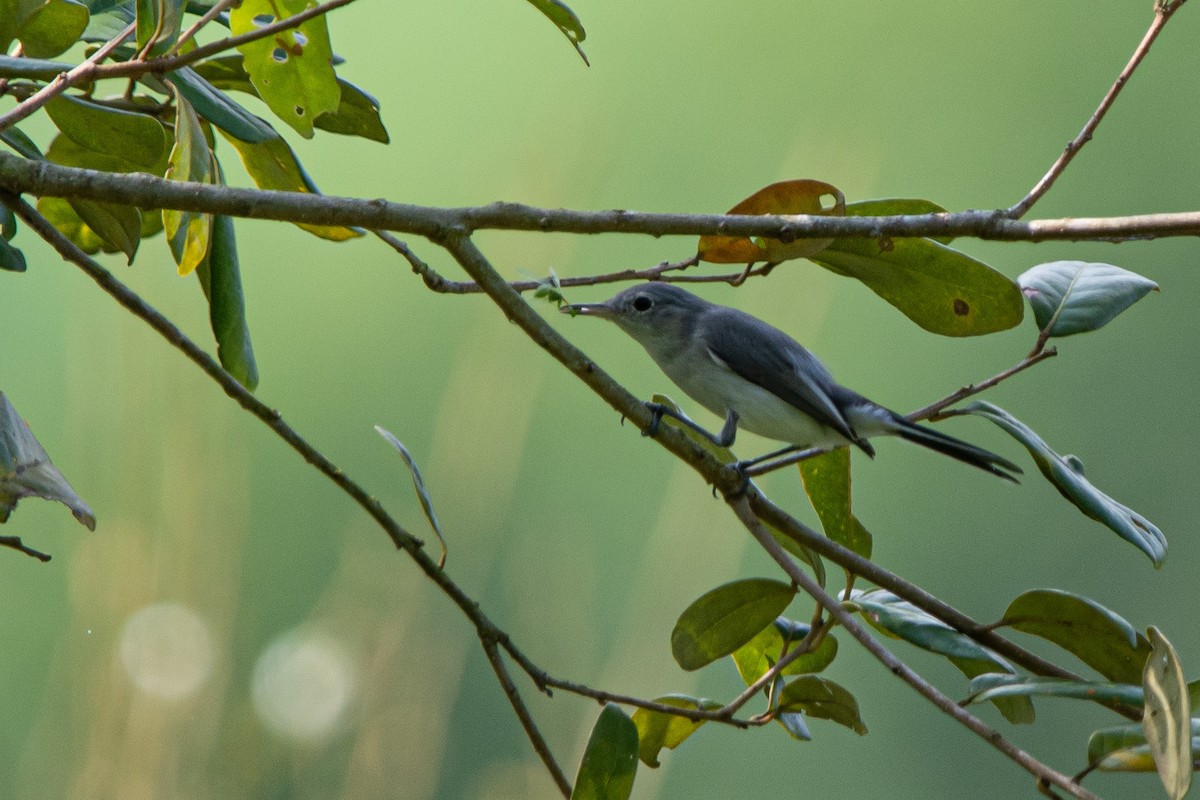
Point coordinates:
[[758, 377]]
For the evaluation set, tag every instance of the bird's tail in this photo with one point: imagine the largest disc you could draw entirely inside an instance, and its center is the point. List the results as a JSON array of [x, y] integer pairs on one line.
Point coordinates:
[[956, 448]]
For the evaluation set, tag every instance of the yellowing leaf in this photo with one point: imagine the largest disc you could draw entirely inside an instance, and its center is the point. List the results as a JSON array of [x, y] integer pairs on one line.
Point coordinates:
[[785, 197]]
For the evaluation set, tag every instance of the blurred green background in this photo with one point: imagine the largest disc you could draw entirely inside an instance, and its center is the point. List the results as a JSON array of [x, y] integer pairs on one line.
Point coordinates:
[[236, 627]]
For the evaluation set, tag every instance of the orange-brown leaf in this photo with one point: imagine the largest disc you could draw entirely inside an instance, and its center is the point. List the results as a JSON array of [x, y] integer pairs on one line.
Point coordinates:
[[785, 197]]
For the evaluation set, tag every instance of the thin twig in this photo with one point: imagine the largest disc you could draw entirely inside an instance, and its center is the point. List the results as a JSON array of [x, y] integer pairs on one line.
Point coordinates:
[[64, 81], [208, 17], [15, 543], [1162, 14], [526, 719], [746, 515], [806, 645]]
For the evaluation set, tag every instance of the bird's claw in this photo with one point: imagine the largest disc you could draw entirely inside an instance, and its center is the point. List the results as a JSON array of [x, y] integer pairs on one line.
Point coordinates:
[[656, 414]]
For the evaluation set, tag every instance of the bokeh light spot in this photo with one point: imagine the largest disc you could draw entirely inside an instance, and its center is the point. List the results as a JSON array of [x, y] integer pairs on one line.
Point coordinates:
[[167, 650]]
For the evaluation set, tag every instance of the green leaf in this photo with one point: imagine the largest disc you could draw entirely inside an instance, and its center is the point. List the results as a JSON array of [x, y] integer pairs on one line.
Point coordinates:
[[357, 114], [939, 288], [137, 139], [26, 470], [189, 233], [1069, 297], [565, 20], [158, 23], [20, 143], [68, 222], [725, 618], [894, 206], [217, 107], [773, 642], [272, 165], [722, 454], [609, 763], [1166, 717], [220, 278], [827, 482], [799, 550], [11, 259], [1096, 636], [419, 486], [8, 223], [903, 620], [657, 730], [34, 69], [291, 70], [109, 18], [823, 699], [1066, 474], [52, 28], [992, 686], [1123, 748]]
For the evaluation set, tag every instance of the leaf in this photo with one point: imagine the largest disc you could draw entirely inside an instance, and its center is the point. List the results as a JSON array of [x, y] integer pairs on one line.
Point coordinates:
[[158, 23], [109, 18], [823, 699], [292, 70], [418, 486], [565, 20], [52, 27], [220, 278], [63, 217], [992, 686], [1096, 636], [939, 288], [725, 618], [785, 197], [1066, 475], [272, 165], [357, 114], [895, 206], [26, 470], [657, 730], [767, 648], [799, 550], [903, 620], [11, 259], [609, 763], [216, 107], [189, 233], [1166, 717], [827, 482], [1069, 297], [20, 143], [136, 139], [1123, 748]]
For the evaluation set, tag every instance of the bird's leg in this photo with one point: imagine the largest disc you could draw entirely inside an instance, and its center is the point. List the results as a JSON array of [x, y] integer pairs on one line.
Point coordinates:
[[805, 452], [722, 439]]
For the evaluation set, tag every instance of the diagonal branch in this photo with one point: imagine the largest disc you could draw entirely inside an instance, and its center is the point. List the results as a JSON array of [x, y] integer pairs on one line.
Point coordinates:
[[745, 514], [1163, 11]]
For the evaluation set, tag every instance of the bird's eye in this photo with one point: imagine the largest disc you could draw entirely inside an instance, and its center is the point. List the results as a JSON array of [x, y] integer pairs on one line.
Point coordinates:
[[642, 303]]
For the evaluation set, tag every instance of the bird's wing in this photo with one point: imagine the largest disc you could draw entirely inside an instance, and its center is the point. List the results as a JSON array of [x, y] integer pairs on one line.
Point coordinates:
[[773, 360]]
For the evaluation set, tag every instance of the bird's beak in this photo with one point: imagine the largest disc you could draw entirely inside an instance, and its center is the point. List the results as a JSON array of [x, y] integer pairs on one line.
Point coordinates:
[[603, 310]]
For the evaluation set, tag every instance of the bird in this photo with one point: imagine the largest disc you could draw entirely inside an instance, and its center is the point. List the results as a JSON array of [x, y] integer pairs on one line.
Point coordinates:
[[758, 378]]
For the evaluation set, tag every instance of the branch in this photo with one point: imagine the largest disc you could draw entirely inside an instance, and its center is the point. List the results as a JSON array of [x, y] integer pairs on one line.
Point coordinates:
[[15, 543], [64, 81], [741, 508], [147, 191], [1162, 14]]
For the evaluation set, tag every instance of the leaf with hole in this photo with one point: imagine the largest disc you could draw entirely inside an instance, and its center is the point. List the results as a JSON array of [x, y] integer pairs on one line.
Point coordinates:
[[725, 618], [1096, 636], [609, 763], [1070, 297], [786, 197], [292, 70], [657, 729], [1065, 473]]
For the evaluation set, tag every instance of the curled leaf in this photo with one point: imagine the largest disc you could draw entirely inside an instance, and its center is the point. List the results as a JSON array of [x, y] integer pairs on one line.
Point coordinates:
[[419, 486], [1066, 474], [1166, 717], [26, 470]]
